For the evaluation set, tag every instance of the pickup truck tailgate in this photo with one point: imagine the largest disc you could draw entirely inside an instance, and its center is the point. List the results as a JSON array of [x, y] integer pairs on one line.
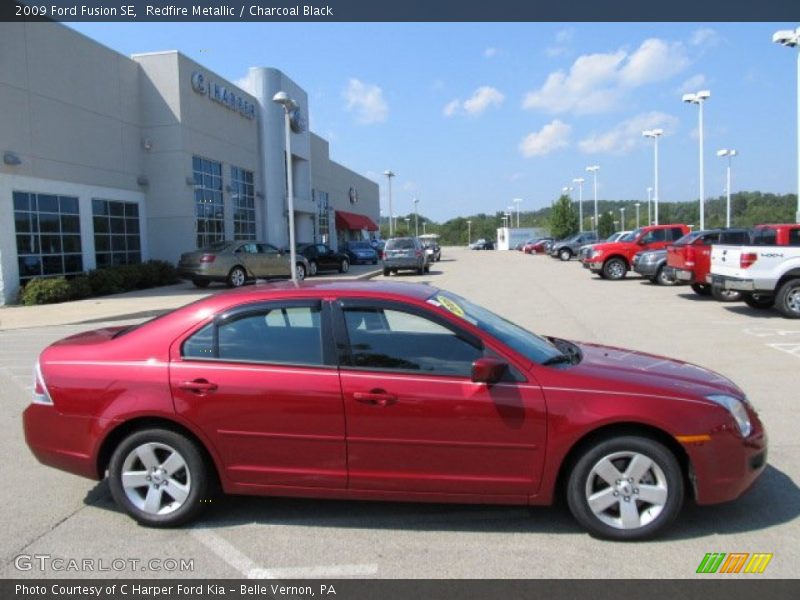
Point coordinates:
[[725, 260]]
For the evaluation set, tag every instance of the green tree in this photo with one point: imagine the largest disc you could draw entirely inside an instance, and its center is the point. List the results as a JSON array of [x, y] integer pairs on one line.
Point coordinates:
[[605, 226], [564, 218]]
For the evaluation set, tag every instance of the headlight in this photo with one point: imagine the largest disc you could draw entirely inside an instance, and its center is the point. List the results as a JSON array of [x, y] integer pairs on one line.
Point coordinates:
[[595, 253], [648, 257], [737, 410]]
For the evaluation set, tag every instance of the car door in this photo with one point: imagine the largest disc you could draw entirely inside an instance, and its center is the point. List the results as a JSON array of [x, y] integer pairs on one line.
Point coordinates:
[[655, 239], [326, 258], [417, 423], [275, 264], [247, 254], [261, 383]]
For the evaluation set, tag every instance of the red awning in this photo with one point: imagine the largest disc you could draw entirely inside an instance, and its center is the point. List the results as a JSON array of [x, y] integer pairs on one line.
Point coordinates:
[[348, 220]]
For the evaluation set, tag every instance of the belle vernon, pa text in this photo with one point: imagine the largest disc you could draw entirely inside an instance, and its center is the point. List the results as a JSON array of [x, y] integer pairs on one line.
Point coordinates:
[[158, 591]]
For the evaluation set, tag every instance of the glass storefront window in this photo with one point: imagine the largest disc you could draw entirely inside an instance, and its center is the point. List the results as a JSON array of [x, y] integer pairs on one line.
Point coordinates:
[[244, 208], [208, 200], [116, 232]]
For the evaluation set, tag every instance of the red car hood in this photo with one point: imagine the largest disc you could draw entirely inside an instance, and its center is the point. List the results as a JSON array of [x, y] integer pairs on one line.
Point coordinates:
[[622, 370], [620, 247]]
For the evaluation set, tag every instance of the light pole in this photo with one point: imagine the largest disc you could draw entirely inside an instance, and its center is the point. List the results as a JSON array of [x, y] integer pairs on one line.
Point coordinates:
[[729, 154], [593, 170], [699, 99], [469, 232], [637, 205], [517, 201], [389, 174], [289, 105], [579, 181], [791, 39], [654, 134], [416, 218], [407, 220], [622, 219], [649, 216]]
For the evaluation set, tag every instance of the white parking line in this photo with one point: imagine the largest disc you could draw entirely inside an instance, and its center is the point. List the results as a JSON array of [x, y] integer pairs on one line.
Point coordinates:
[[236, 559]]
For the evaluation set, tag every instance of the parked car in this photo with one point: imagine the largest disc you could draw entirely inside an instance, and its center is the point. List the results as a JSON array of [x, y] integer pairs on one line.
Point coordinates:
[[405, 253], [323, 258], [613, 260], [235, 263], [538, 246], [317, 389], [430, 242], [767, 272], [361, 253], [583, 251], [482, 244], [652, 265], [567, 248], [690, 259]]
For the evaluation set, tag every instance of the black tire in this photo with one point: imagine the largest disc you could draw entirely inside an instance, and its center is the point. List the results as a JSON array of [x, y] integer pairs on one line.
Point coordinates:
[[701, 289], [664, 472], [344, 266], [662, 277], [788, 299], [300, 271], [237, 277], [313, 269], [565, 254], [759, 301], [201, 283], [615, 269], [420, 270], [197, 474], [427, 268], [386, 272], [720, 294]]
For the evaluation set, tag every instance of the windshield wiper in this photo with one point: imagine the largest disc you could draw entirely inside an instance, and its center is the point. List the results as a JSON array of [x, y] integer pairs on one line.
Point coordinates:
[[557, 360]]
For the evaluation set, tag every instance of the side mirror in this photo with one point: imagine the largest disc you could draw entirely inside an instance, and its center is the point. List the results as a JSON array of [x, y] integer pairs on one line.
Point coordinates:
[[641, 241], [488, 370]]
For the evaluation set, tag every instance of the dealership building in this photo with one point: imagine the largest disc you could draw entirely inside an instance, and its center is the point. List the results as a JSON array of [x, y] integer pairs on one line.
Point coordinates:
[[109, 159]]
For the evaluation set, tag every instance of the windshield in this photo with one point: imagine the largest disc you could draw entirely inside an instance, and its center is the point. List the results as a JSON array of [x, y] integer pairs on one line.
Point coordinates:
[[529, 345], [400, 243]]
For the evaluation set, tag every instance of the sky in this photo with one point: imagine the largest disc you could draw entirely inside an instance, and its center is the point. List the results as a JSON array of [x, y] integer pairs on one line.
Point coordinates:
[[472, 115]]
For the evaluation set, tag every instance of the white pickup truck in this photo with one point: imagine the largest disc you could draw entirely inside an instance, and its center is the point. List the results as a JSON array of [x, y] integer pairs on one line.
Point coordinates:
[[767, 272]]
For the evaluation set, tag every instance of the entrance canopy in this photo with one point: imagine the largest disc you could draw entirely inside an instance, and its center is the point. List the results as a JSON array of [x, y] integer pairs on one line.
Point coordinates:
[[353, 221]]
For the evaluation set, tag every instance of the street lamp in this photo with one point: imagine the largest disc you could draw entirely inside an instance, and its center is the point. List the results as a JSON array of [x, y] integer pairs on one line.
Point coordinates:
[[622, 219], [416, 218], [791, 39], [654, 134], [469, 232], [637, 205], [579, 181], [729, 154], [389, 174], [289, 106], [517, 201], [593, 170], [699, 99]]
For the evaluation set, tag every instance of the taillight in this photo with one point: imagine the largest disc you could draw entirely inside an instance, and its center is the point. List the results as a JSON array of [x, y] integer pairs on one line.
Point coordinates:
[[208, 258], [688, 256], [747, 259], [40, 393]]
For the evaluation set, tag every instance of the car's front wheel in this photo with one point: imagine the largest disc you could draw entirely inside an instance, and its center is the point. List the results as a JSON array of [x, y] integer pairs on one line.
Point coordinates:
[[625, 488], [312, 268], [344, 266], [663, 277], [565, 254], [159, 477], [300, 271], [615, 268]]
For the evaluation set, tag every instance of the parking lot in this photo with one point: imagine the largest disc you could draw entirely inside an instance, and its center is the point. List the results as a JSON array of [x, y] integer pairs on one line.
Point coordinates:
[[47, 512]]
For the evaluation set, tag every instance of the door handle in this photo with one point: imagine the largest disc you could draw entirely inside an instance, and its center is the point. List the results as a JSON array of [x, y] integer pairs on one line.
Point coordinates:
[[375, 397], [199, 386]]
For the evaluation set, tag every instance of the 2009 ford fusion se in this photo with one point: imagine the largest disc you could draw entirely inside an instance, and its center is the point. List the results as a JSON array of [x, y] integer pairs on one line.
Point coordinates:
[[386, 391]]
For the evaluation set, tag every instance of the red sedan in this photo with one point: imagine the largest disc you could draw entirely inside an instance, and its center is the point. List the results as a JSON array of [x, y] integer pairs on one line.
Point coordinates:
[[536, 246], [385, 391]]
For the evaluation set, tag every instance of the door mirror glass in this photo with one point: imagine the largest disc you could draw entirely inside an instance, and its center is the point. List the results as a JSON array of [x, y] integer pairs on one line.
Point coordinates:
[[488, 370]]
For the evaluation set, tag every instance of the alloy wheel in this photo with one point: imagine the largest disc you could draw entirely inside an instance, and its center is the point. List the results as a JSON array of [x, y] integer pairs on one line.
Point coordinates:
[[156, 478]]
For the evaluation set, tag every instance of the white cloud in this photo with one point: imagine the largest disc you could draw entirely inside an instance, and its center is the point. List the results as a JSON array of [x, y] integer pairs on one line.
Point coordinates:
[[482, 99], [705, 36], [562, 37], [596, 82], [366, 100], [627, 135], [694, 83], [490, 52], [551, 137]]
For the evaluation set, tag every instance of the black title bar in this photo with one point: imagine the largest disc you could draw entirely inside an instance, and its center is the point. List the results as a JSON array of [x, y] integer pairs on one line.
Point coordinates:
[[399, 10]]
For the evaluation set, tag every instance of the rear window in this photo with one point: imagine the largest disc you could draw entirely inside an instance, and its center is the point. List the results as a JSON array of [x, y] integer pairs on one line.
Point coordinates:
[[734, 237], [794, 237], [400, 244], [765, 237]]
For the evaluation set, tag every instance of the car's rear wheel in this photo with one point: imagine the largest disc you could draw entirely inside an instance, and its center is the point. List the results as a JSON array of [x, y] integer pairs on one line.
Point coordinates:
[[615, 268], [565, 254], [701, 289], [312, 268], [720, 294], [237, 277], [788, 299], [344, 266], [759, 301], [159, 477], [625, 488], [200, 283]]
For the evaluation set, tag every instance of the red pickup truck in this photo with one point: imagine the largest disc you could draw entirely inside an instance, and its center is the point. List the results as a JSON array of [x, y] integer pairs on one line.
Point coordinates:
[[690, 259], [612, 260]]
